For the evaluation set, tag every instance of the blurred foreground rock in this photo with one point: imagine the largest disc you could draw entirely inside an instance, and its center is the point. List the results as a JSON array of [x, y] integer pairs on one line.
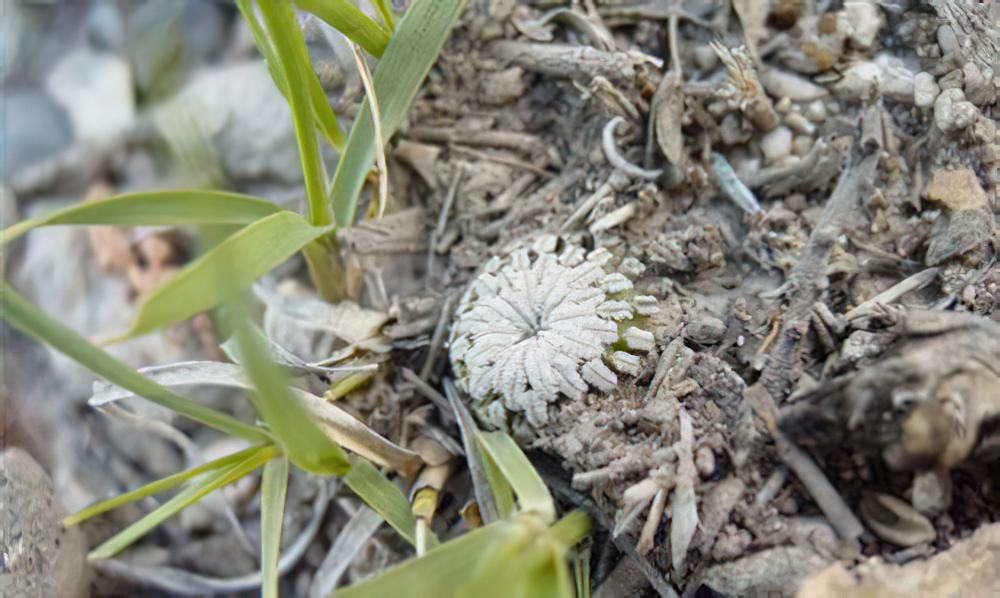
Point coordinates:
[[968, 569], [38, 557]]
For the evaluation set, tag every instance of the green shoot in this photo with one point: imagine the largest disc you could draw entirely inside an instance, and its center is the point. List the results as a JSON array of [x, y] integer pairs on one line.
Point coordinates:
[[158, 486], [532, 494], [300, 437], [274, 487], [293, 61], [349, 20], [155, 208], [383, 497], [408, 58], [183, 499], [236, 262]]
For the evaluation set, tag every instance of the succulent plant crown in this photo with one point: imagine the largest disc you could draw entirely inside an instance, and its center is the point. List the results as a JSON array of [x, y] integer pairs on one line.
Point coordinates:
[[537, 325]]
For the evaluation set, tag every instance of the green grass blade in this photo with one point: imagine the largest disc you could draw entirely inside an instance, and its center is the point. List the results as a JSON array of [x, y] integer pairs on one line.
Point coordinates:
[[349, 20], [155, 208], [29, 319], [227, 269], [181, 500], [385, 11], [290, 50], [487, 482], [383, 497], [532, 494], [273, 489], [500, 489], [158, 486], [441, 571], [572, 528], [303, 442], [326, 120], [407, 59]]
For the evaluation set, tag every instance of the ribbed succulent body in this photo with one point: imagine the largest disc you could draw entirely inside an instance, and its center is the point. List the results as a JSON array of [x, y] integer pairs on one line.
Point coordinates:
[[537, 326]]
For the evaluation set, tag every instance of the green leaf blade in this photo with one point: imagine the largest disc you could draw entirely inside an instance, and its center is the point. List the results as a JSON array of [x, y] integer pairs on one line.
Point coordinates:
[[154, 487], [408, 58], [303, 442], [29, 319], [531, 491], [155, 208], [290, 50], [441, 571], [182, 500], [273, 490], [228, 269], [349, 20], [383, 497]]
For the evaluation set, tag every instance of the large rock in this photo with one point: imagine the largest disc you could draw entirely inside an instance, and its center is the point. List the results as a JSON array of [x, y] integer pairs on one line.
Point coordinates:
[[38, 557]]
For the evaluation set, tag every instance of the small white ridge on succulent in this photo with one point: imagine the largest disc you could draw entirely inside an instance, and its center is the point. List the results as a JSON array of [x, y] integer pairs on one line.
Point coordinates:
[[536, 326], [598, 374], [638, 339], [631, 267], [599, 256], [616, 310], [616, 282], [646, 305], [572, 255], [625, 363]]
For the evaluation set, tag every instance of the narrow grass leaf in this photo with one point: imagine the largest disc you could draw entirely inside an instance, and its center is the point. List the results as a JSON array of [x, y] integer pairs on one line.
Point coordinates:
[[273, 489], [500, 490], [158, 486], [224, 271], [290, 50], [349, 20], [572, 528], [532, 494], [383, 497], [326, 120], [300, 437], [185, 498], [155, 208], [29, 319], [345, 429], [385, 11], [480, 470], [350, 540], [407, 59], [441, 571]]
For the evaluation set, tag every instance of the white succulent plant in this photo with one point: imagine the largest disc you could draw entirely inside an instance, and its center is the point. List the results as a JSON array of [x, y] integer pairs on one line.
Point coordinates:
[[536, 326]]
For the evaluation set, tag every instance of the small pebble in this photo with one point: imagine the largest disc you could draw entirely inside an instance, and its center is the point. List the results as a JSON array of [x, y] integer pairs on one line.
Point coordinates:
[[706, 330], [704, 461], [800, 124], [777, 145], [802, 144], [816, 111], [931, 493], [925, 90]]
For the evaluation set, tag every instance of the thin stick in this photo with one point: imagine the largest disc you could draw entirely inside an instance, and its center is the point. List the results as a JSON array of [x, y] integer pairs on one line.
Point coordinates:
[[437, 339], [442, 222], [907, 285]]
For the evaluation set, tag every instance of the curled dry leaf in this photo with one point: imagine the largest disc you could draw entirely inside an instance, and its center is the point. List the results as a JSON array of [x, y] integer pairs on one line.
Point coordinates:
[[667, 110], [895, 521]]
